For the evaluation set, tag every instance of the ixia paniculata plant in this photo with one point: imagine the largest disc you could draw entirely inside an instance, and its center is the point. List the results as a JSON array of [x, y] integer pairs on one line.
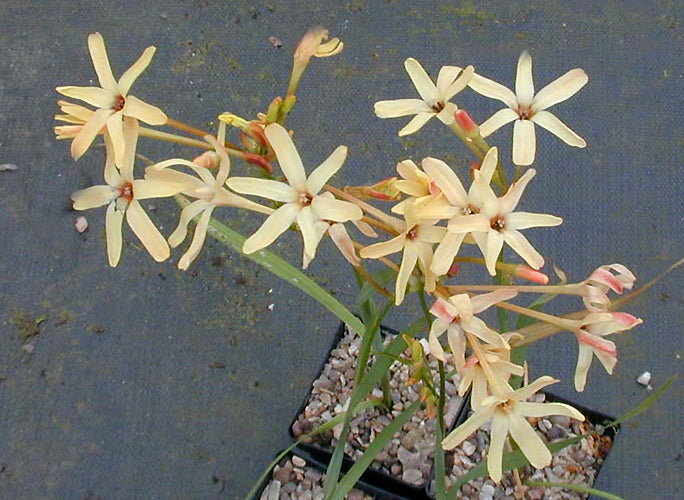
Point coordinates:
[[439, 216]]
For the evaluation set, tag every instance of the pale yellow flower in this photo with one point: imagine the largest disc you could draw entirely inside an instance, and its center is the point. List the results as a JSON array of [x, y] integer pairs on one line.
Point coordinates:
[[112, 100], [312, 44], [75, 116], [508, 413], [434, 98], [122, 195], [208, 190], [527, 108], [301, 200]]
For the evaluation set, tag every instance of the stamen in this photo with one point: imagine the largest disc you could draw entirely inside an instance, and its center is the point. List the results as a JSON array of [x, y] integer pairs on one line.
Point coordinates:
[[437, 107], [126, 192], [412, 233], [305, 199], [119, 103], [498, 224]]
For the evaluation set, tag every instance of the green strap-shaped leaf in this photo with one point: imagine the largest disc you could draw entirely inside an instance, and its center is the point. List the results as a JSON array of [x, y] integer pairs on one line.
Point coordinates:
[[576, 487]]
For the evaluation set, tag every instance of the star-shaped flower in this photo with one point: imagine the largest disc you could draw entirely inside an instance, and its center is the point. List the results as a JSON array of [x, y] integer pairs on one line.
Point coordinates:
[[208, 190], [505, 224], [122, 195], [112, 99], [456, 316], [434, 99], [301, 198], [508, 413], [528, 108]]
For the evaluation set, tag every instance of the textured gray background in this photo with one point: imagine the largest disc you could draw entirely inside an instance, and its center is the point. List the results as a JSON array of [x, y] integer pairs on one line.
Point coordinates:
[[119, 401]]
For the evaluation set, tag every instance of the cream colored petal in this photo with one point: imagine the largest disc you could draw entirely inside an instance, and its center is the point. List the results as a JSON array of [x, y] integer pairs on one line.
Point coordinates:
[[86, 136], [525, 409], [607, 361], [524, 248], [510, 200], [533, 387], [524, 84], [144, 112], [457, 342], [437, 328], [429, 233], [480, 241], [529, 442], [98, 54], [335, 210], [489, 163], [305, 221], [94, 196], [95, 96], [497, 120], [411, 188], [115, 131], [326, 170], [147, 232], [496, 446], [408, 263], [446, 116], [409, 171], [463, 431], [365, 228], [478, 328], [76, 111], [144, 189], [130, 136], [288, 157], [425, 260], [416, 123], [458, 84], [492, 89], [463, 224], [446, 251], [447, 180], [187, 214], [446, 76], [524, 220], [584, 357], [551, 123], [273, 190], [132, 73], [494, 244], [111, 173], [274, 225], [484, 301], [197, 240], [383, 248], [114, 230], [171, 176], [338, 233], [400, 107], [561, 89], [424, 85], [524, 142]]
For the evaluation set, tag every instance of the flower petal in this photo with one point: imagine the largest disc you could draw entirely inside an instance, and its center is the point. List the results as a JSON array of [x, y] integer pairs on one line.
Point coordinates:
[[446, 251], [288, 157], [490, 88], [497, 120], [510, 200], [113, 228], [338, 233], [400, 107], [144, 189], [530, 444], [484, 301], [463, 224], [408, 263], [488, 165], [335, 210], [525, 220], [438, 327], [495, 241], [525, 409], [197, 240], [524, 248], [421, 80], [305, 221], [478, 328], [383, 248], [498, 438], [416, 123], [584, 357], [115, 131], [274, 225], [560, 89], [459, 83], [86, 136], [533, 387], [144, 112], [524, 84], [147, 232], [273, 190], [524, 142], [187, 214], [463, 431], [95, 96], [326, 170], [98, 54], [447, 180], [551, 123], [94, 196], [132, 73]]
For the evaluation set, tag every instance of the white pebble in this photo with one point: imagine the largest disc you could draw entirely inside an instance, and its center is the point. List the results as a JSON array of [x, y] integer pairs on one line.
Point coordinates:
[[644, 378], [298, 461], [81, 224], [6, 167]]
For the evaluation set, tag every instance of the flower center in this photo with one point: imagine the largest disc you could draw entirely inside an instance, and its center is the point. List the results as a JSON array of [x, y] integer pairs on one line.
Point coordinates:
[[468, 210], [498, 224], [524, 112], [412, 233], [305, 199], [119, 103], [126, 192], [437, 107]]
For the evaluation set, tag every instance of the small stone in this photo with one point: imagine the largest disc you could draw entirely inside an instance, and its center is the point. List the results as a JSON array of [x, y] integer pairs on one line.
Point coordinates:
[[7, 167], [644, 379], [412, 476], [298, 461], [395, 469], [81, 224], [29, 348], [468, 448]]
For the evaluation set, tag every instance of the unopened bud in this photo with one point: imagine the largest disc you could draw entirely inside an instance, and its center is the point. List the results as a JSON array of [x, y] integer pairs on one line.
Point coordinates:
[[234, 121], [274, 110], [312, 44], [530, 274], [469, 127], [453, 270], [258, 160], [256, 130], [208, 159], [385, 190]]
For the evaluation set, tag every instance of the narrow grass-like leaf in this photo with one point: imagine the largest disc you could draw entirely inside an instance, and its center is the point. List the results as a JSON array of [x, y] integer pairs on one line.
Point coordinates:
[[382, 278], [353, 475], [440, 471], [580, 488], [646, 403]]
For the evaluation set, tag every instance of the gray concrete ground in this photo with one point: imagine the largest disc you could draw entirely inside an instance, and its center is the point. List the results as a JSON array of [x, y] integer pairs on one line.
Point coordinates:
[[147, 382]]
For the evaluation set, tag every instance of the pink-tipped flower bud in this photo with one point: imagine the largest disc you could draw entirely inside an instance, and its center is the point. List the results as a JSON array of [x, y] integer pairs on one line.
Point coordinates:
[[208, 159], [530, 274], [385, 190], [313, 44], [469, 127], [258, 160], [453, 270]]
